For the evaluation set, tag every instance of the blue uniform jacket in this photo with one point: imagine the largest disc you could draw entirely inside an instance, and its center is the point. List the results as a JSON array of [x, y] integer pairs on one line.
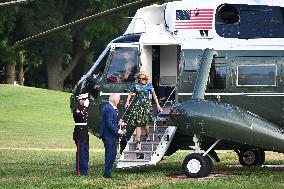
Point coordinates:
[[109, 128]]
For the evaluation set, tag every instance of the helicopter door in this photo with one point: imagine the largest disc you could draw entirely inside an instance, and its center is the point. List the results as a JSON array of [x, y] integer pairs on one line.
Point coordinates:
[[165, 63], [121, 69]]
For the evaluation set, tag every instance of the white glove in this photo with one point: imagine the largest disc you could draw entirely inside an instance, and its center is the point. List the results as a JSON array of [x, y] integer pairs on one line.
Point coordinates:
[[86, 103], [121, 132]]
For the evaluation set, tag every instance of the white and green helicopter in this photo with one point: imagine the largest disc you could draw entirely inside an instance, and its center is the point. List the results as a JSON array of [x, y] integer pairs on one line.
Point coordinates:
[[218, 68]]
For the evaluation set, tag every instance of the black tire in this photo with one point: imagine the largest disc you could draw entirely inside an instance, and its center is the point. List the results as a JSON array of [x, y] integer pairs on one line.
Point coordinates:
[[196, 166], [251, 157], [260, 158]]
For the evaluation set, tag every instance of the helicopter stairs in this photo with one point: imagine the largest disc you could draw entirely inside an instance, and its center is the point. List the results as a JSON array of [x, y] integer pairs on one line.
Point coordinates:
[[151, 152]]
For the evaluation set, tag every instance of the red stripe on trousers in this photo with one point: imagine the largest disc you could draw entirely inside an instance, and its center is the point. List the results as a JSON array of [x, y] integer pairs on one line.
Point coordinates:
[[78, 153]]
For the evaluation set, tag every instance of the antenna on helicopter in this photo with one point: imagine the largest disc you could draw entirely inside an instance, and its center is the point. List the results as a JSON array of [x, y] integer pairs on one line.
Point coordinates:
[[86, 19]]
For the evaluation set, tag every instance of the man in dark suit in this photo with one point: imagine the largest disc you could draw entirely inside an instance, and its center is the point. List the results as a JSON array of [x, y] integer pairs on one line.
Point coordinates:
[[110, 131]]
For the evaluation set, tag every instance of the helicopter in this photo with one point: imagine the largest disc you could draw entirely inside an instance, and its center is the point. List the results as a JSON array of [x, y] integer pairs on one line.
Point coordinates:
[[217, 68]]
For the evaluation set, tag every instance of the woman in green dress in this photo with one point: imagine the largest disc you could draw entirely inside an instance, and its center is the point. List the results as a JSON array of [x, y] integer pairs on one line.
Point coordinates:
[[141, 106]]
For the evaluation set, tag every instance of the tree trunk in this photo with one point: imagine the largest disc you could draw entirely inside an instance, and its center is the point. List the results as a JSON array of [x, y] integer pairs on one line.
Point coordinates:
[[54, 73], [21, 67], [10, 79], [80, 68]]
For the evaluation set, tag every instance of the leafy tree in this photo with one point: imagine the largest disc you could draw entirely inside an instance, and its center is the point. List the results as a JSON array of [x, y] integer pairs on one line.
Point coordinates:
[[8, 53], [60, 52], [63, 50]]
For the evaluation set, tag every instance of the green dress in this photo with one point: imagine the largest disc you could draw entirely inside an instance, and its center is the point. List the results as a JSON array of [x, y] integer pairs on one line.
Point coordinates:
[[141, 105]]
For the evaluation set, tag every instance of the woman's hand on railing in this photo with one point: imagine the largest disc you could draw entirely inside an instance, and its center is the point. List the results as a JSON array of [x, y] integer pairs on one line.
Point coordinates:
[[160, 109]]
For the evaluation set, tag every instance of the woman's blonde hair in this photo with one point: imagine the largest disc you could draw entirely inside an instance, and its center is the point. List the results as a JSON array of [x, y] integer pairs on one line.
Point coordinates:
[[143, 73]]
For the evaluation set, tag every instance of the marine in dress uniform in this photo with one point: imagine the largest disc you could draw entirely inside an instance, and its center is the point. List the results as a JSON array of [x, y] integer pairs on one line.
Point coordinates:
[[81, 136]]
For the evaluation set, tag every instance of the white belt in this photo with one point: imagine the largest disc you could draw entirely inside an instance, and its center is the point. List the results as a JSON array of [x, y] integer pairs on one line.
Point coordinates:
[[80, 123]]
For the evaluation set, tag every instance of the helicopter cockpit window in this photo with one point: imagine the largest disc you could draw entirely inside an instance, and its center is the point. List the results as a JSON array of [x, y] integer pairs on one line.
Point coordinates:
[[218, 74], [101, 66], [228, 14], [256, 75], [123, 65]]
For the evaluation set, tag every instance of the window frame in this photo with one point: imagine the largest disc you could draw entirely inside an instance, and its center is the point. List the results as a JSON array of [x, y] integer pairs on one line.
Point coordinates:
[[112, 51], [243, 65], [224, 66]]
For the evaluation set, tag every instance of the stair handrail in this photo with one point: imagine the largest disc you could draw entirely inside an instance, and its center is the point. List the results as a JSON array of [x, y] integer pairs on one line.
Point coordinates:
[[155, 120], [125, 128]]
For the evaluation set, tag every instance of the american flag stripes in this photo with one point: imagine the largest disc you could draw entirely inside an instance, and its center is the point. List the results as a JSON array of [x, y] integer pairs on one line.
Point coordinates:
[[199, 19]]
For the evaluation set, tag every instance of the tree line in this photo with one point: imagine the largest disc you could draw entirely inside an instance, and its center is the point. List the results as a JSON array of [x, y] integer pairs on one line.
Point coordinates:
[[58, 60]]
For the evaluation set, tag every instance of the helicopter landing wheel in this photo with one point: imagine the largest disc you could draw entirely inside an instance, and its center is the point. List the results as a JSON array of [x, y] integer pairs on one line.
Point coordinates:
[[251, 157], [195, 165]]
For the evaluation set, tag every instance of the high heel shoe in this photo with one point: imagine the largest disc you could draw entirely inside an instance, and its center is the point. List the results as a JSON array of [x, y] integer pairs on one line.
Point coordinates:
[[138, 145]]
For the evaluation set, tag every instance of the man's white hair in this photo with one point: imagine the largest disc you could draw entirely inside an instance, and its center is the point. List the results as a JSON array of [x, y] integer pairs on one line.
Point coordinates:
[[113, 96]]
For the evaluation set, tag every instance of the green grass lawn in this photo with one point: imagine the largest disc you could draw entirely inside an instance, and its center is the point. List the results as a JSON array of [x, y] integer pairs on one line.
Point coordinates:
[[37, 151], [36, 118]]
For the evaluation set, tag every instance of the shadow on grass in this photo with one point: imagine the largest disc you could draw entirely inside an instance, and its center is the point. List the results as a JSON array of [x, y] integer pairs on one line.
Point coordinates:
[[163, 168]]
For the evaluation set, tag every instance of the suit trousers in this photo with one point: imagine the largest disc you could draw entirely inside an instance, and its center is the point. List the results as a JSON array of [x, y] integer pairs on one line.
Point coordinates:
[[82, 157], [110, 155]]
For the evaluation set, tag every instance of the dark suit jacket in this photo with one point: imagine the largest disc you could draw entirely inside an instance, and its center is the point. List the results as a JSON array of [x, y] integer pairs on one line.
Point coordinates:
[[109, 128]]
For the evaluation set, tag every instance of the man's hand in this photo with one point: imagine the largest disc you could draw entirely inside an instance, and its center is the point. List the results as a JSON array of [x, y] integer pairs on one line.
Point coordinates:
[[121, 123], [121, 132]]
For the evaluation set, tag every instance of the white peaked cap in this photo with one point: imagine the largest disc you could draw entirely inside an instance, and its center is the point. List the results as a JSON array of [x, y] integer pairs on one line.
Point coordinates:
[[83, 96]]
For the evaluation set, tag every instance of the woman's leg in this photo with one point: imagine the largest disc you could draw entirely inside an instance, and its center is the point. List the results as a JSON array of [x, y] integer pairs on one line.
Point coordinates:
[[147, 131], [138, 136]]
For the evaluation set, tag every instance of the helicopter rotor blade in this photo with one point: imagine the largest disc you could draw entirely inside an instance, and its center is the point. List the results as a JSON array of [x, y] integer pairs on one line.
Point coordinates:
[[85, 19], [14, 2]]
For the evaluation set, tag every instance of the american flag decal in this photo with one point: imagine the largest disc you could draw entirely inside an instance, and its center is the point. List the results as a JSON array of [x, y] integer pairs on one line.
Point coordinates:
[[196, 19]]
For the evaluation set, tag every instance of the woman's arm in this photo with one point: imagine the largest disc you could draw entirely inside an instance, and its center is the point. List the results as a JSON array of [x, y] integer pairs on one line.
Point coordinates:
[[128, 99], [160, 109], [132, 89]]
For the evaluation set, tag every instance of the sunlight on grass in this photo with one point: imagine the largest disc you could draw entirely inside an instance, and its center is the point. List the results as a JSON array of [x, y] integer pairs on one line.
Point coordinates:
[[36, 118]]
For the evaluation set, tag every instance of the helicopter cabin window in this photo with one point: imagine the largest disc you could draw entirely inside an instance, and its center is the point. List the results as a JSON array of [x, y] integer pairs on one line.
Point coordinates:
[[228, 14], [256, 75], [217, 76], [249, 21], [123, 65]]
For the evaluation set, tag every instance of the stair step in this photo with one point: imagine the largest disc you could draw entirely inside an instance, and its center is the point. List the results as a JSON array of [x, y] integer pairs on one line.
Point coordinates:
[[146, 143], [131, 163], [145, 146], [157, 137], [137, 155], [159, 129], [151, 152], [134, 160], [139, 151]]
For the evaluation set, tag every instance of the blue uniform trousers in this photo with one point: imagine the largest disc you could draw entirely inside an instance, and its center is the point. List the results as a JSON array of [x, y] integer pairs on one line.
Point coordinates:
[[110, 155], [82, 157]]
